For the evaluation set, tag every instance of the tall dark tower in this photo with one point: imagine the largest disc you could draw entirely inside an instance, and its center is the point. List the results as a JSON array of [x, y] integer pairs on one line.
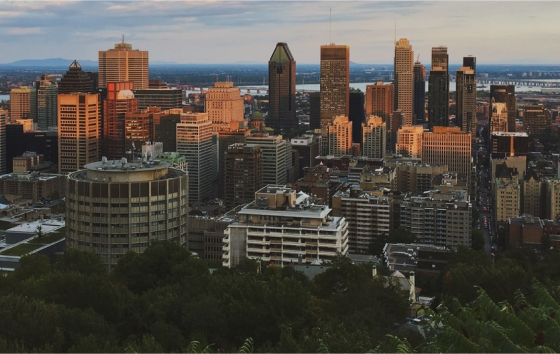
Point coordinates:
[[506, 94], [282, 90], [334, 82], [419, 93], [356, 114], [466, 96], [75, 80], [438, 88]]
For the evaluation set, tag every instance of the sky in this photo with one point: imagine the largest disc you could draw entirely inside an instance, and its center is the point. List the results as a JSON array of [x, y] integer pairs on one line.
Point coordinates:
[[215, 32]]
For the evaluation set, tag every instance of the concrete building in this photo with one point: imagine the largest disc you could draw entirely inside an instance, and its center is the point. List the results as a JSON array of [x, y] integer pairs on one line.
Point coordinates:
[[380, 100], [321, 183], [439, 219], [225, 139], [275, 160], [307, 147], [409, 141], [415, 177], [115, 208], [506, 193], [526, 230], [552, 198], [25, 162], [206, 235], [509, 144], [124, 64], [448, 146], [466, 97], [376, 178], [243, 174], [224, 105], [339, 136], [334, 82], [23, 103], [120, 101], [368, 217], [282, 227], [374, 138], [78, 131], [505, 94], [282, 90], [419, 112], [536, 120], [498, 118], [533, 195], [195, 142], [404, 79], [33, 186]]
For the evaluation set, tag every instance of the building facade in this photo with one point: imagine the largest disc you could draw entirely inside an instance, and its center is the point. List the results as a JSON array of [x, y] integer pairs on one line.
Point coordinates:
[[282, 227], [120, 101], [124, 64], [438, 88], [374, 137], [419, 93], [380, 99], [224, 105], [506, 94], [466, 97], [23, 104], [448, 146], [115, 208], [275, 159], [404, 79], [339, 136], [409, 141], [243, 174]]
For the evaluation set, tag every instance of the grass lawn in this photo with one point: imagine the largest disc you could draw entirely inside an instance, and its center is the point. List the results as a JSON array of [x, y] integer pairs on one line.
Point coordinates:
[[22, 249]]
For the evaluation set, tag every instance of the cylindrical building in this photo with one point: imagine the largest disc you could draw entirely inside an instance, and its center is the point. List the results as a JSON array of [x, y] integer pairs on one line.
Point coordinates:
[[113, 207]]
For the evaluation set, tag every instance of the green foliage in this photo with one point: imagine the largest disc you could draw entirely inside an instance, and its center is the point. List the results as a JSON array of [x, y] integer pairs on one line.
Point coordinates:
[[478, 241]]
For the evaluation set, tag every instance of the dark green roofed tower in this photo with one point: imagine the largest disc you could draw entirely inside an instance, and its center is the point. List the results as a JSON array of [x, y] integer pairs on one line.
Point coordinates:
[[75, 80], [282, 90]]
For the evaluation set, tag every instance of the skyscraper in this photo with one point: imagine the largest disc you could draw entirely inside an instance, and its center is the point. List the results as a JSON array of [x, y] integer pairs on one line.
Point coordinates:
[[438, 88], [339, 136], [334, 82], [47, 107], [123, 64], [120, 101], [76, 80], [466, 96], [404, 79], [380, 100], [506, 94], [3, 168], [282, 90], [419, 93], [357, 114], [194, 140], [536, 120], [78, 130], [448, 146], [23, 103], [275, 159], [374, 131]]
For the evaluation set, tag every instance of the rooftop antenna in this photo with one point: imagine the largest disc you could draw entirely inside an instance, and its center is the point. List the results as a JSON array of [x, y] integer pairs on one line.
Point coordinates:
[[395, 31], [330, 23], [123, 38], [418, 58]]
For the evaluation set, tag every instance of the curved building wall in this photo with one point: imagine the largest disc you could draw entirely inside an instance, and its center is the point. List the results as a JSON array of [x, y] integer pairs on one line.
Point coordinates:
[[114, 211]]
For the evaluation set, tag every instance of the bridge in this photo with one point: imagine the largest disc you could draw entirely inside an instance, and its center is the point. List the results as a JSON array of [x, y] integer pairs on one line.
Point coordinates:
[[518, 82]]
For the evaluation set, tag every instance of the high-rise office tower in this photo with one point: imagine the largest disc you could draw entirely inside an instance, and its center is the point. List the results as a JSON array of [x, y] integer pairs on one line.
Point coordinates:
[[506, 94], [275, 157], [357, 114], [438, 88], [404, 79], [47, 98], [23, 103], [380, 100], [194, 140], [466, 96], [419, 93], [123, 64], [282, 90], [224, 105], [120, 101], [76, 80], [374, 131], [498, 118], [339, 136], [314, 110], [225, 139], [448, 146], [536, 120], [164, 98], [3, 169], [334, 82], [78, 130], [243, 173]]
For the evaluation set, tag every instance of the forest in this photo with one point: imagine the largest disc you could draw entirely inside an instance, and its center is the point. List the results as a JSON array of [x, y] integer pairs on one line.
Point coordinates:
[[167, 300]]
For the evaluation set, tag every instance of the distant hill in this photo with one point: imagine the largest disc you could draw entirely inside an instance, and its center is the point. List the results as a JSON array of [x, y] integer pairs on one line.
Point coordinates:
[[52, 62]]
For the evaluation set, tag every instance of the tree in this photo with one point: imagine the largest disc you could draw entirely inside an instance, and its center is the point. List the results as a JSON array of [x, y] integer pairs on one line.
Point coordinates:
[[478, 240], [33, 265]]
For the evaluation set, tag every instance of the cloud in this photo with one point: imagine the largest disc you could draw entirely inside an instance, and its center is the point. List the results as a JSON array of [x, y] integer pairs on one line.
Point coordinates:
[[24, 30]]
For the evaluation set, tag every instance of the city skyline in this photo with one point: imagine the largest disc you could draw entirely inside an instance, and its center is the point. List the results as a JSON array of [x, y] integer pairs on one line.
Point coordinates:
[[232, 32]]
